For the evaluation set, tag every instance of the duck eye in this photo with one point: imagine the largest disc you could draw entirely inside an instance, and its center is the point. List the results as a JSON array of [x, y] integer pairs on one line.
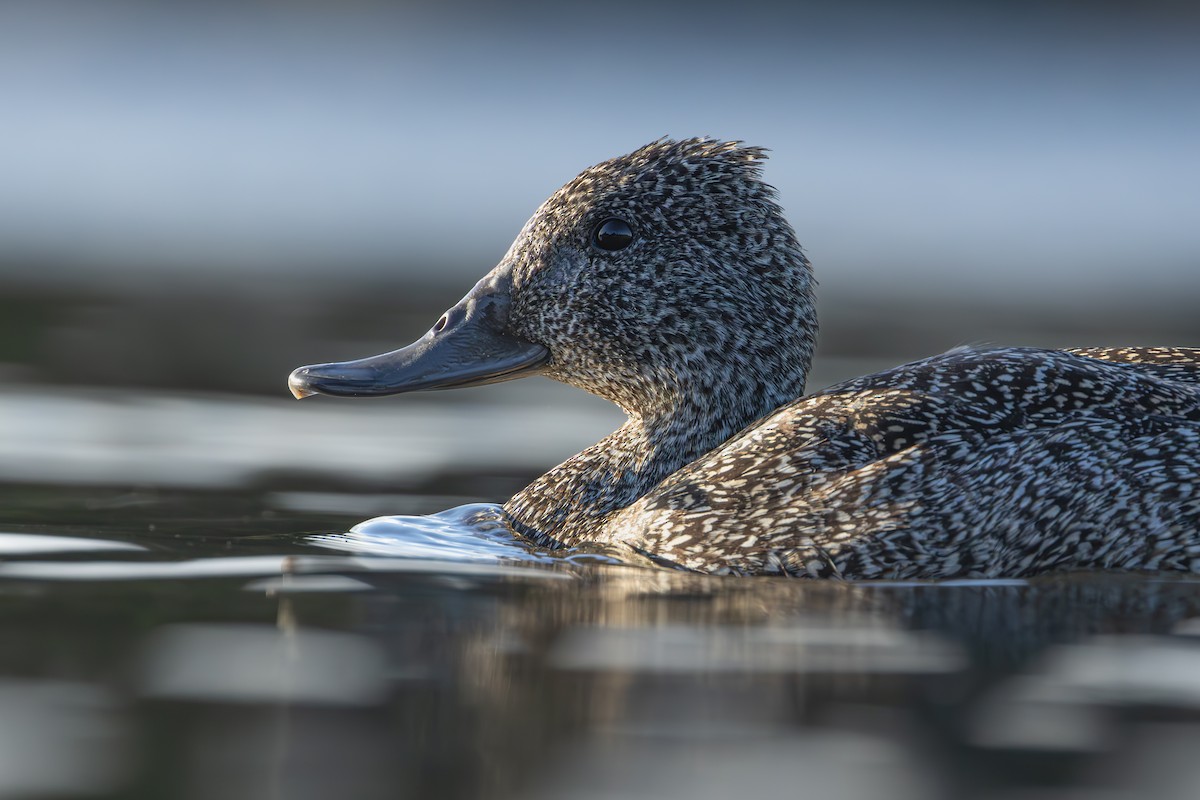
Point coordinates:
[[612, 234]]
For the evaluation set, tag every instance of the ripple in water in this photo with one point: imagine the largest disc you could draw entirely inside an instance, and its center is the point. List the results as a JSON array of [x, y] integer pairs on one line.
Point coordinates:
[[474, 532]]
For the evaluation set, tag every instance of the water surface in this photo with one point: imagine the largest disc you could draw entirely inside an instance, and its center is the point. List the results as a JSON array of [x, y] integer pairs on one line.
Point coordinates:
[[199, 644]]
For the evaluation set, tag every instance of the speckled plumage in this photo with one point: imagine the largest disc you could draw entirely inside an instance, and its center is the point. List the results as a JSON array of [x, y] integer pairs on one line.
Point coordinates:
[[978, 462], [975, 463]]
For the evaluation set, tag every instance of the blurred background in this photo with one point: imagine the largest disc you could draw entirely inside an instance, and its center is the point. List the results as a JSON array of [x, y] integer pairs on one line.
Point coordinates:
[[202, 196]]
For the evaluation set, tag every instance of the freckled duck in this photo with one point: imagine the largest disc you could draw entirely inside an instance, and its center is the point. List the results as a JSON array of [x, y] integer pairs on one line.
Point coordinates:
[[669, 282]]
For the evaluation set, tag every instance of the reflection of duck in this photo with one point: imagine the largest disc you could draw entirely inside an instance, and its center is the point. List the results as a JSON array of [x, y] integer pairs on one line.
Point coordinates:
[[669, 282]]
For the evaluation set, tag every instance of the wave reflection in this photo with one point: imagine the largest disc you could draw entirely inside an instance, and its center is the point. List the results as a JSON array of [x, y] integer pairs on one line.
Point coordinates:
[[472, 532]]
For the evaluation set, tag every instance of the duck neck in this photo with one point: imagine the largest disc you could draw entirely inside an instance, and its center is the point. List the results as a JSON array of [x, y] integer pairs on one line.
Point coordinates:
[[572, 502]]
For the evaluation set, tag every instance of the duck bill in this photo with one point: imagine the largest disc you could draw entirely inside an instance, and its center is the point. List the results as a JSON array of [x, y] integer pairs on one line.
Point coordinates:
[[467, 347]]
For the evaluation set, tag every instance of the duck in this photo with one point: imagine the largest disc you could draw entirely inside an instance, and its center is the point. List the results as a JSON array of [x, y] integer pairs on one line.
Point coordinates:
[[669, 282]]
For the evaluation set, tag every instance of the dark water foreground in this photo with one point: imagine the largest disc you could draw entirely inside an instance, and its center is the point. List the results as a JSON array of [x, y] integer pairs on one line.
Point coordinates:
[[198, 645]]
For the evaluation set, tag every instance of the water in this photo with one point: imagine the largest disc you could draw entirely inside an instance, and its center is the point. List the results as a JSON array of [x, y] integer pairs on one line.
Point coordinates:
[[199, 644], [469, 533], [194, 609]]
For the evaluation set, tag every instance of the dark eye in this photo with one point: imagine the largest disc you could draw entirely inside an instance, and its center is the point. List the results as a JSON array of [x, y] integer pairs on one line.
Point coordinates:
[[612, 234]]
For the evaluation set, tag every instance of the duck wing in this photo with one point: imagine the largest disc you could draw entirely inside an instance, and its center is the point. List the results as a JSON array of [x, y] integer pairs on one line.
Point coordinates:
[[975, 463], [1168, 363]]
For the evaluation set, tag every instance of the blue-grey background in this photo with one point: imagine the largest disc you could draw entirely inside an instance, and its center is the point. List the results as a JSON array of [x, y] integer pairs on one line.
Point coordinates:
[[202, 196]]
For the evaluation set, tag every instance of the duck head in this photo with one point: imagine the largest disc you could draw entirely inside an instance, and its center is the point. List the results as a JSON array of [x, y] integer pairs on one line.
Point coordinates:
[[650, 279]]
